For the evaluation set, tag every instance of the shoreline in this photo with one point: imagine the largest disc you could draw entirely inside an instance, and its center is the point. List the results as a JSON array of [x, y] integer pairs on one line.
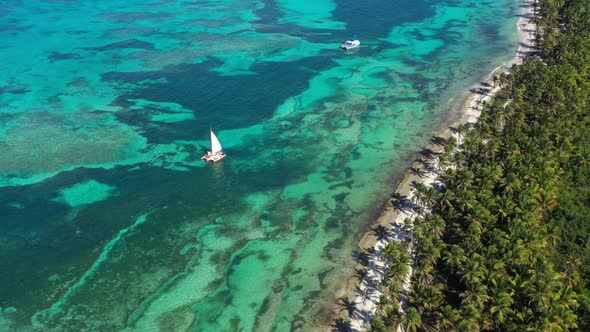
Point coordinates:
[[361, 294]]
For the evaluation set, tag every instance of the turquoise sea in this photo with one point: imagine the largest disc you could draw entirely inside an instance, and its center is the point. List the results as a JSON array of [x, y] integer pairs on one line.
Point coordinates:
[[109, 220]]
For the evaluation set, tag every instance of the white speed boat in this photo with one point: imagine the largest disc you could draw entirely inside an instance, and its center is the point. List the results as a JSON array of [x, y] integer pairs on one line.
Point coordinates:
[[351, 43]]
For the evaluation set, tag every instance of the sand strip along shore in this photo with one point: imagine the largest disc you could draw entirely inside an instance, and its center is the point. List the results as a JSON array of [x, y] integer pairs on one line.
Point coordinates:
[[363, 296]]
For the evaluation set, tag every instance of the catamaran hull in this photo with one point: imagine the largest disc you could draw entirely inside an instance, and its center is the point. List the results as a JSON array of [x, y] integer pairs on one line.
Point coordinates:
[[213, 158]]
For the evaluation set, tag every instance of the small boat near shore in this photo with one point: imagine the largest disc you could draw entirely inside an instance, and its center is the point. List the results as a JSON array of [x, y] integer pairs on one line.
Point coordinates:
[[216, 154], [351, 43]]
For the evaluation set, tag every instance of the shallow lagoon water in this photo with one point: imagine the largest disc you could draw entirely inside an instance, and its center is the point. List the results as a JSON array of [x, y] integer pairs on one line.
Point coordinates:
[[110, 221]]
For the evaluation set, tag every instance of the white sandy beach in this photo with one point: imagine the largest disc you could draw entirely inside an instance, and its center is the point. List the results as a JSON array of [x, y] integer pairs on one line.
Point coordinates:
[[365, 297]]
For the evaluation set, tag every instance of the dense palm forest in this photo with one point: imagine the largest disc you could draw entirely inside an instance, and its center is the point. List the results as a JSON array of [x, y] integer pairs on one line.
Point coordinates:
[[506, 244]]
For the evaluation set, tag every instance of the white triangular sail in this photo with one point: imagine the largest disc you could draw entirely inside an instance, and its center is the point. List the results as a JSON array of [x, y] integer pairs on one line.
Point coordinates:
[[215, 145]]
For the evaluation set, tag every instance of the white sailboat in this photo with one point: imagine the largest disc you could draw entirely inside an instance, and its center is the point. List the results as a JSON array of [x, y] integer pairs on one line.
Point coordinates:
[[216, 153]]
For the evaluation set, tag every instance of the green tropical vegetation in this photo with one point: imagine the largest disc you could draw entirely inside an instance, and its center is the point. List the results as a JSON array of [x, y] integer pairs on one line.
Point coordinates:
[[505, 245]]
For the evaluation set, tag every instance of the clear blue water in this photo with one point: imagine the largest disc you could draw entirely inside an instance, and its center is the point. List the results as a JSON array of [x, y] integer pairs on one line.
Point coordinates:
[[109, 220]]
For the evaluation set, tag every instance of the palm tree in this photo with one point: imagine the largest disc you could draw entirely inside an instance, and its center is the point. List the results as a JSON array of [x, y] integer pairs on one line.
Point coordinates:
[[572, 274], [424, 195], [393, 320], [510, 183], [541, 295], [502, 79], [424, 273], [394, 291], [567, 317], [567, 297], [501, 306], [412, 320], [377, 325], [433, 298], [472, 271], [445, 201], [504, 207], [454, 257], [546, 199], [476, 295], [521, 283], [386, 305], [474, 221], [446, 317], [470, 317], [463, 180], [398, 271], [434, 225], [549, 324], [462, 129]]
